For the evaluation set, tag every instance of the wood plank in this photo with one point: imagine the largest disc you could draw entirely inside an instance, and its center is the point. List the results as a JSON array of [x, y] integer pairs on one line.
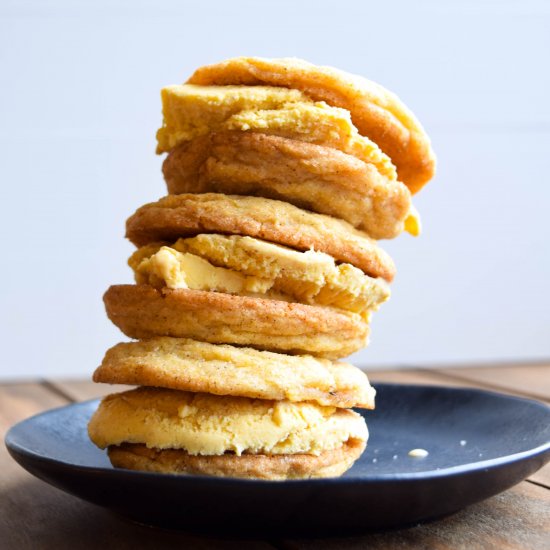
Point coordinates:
[[542, 477], [18, 401], [35, 515], [531, 380], [517, 519], [82, 390], [412, 376], [464, 377], [448, 377]]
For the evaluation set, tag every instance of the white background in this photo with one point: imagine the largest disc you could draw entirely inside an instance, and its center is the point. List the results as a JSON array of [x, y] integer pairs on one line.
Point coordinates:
[[79, 107]]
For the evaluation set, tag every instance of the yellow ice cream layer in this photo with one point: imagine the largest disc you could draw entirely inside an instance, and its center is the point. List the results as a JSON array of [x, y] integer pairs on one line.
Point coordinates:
[[204, 424], [168, 267], [191, 111], [246, 265]]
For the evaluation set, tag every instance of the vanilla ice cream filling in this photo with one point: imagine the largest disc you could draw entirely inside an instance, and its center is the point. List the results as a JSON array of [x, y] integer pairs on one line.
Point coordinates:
[[204, 424], [191, 111], [252, 267]]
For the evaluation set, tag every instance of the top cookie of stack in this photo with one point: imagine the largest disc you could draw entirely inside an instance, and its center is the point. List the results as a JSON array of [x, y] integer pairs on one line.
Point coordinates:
[[281, 176], [316, 137]]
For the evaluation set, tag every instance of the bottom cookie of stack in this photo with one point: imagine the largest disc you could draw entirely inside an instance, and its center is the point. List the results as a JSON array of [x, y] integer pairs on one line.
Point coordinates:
[[230, 434], [256, 466]]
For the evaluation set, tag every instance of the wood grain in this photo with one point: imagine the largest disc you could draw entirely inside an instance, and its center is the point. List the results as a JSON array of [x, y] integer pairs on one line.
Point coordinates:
[[18, 401], [82, 390], [542, 477], [516, 519], [415, 376], [533, 386], [532, 380]]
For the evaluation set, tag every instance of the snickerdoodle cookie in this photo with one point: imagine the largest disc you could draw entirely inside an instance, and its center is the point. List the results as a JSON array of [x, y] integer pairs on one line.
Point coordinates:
[[331, 463], [142, 311], [183, 364], [314, 177], [376, 112]]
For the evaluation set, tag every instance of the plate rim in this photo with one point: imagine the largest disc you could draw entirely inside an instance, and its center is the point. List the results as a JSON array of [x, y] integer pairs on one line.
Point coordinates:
[[15, 450]]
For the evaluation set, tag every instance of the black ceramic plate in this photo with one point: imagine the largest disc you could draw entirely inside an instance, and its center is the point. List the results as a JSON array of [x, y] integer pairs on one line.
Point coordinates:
[[504, 440]]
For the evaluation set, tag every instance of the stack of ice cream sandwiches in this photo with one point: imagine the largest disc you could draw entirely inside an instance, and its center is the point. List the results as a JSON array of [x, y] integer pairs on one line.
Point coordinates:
[[258, 271]]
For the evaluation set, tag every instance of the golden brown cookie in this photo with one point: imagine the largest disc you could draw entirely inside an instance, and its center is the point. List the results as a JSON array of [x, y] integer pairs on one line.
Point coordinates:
[[377, 113], [141, 311], [317, 178], [183, 364], [331, 463], [187, 215]]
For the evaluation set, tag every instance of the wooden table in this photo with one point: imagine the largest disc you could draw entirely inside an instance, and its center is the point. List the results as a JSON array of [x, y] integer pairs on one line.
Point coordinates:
[[34, 515]]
